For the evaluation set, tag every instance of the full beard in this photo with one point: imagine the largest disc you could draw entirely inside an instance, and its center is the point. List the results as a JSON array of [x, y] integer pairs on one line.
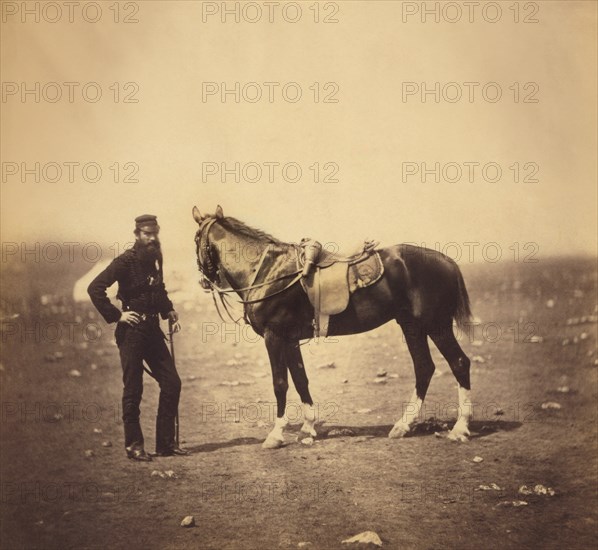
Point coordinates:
[[149, 253]]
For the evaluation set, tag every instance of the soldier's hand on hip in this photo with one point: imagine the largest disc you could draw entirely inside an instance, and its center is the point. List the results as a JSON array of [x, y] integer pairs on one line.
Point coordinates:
[[173, 320], [130, 317]]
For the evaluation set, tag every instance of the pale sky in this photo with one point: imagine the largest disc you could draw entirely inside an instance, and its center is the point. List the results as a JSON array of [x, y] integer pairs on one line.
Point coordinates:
[[369, 134]]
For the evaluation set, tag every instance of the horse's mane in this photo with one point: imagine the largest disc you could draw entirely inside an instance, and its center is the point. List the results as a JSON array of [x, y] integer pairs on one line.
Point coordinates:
[[233, 224]]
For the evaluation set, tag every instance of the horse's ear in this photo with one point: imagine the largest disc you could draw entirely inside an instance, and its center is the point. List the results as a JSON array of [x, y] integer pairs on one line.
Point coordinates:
[[196, 215], [219, 213]]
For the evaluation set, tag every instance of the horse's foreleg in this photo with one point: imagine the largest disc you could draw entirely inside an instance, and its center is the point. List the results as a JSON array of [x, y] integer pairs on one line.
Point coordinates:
[[459, 362], [417, 342], [276, 347], [302, 385]]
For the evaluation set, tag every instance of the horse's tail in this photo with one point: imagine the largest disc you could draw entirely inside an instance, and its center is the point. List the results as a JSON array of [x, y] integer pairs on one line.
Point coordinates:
[[463, 310]]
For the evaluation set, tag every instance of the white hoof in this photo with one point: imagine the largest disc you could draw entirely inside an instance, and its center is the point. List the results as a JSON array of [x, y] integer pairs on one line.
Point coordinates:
[[309, 428], [459, 434], [272, 443], [399, 430]]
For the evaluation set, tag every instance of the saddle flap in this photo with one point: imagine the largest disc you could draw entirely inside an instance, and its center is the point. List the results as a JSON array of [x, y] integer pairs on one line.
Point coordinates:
[[328, 289]]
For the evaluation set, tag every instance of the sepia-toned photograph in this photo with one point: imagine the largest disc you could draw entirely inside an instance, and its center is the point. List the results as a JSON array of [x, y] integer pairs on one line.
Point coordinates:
[[298, 274]]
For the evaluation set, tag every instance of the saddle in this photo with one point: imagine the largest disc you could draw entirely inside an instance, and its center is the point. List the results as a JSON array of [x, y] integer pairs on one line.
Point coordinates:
[[333, 278]]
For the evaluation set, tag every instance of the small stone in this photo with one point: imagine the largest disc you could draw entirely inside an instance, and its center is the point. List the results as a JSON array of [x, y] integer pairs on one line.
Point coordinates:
[[381, 373], [380, 380], [565, 342], [345, 380], [330, 365], [188, 521], [563, 389], [309, 441], [106, 443], [89, 453], [58, 416], [367, 537], [231, 383], [191, 377], [364, 411], [158, 473], [478, 359], [303, 544], [477, 459], [536, 339], [393, 375], [514, 503], [93, 366], [74, 373], [477, 343], [551, 405], [583, 336], [170, 474], [550, 304], [97, 430]]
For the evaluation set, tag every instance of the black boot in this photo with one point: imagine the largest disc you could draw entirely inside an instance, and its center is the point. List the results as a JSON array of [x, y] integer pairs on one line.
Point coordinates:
[[134, 442], [165, 441]]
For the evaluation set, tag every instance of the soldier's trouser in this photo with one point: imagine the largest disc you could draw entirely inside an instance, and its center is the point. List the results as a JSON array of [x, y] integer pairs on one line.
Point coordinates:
[[136, 344]]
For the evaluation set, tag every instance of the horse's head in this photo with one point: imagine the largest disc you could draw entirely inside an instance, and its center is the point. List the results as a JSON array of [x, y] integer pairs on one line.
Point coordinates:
[[206, 262]]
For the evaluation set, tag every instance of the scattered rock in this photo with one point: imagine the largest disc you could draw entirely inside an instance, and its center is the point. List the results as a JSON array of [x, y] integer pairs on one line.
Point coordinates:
[[345, 380], [551, 405], [563, 389], [188, 521], [364, 411], [89, 453], [191, 377], [303, 544], [583, 336], [491, 487], [74, 373], [478, 359], [330, 365], [309, 441], [381, 373], [565, 342], [477, 343], [367, 537], [550, 303], [93, 366], [536, 339], [106, 443], [477, 459], [157, 473], [537, 490], [380, 380], [393, 375], [231, 383], [170, 474], [97, 430], [58, 416]]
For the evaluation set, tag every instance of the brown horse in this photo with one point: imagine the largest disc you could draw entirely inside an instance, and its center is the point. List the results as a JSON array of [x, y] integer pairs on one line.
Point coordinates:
[[421, 289]]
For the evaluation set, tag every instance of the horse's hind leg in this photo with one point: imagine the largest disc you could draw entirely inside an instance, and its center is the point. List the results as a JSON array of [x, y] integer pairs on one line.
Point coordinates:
[[459, 362], [417, 342], [295, 363], [277, 352]]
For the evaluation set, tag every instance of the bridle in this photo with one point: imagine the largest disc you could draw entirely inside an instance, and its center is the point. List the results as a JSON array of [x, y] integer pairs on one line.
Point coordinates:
[[210, 272]]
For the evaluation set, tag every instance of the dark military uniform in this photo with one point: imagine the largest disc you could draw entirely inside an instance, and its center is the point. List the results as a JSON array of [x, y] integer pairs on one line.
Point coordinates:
[[141, 289]]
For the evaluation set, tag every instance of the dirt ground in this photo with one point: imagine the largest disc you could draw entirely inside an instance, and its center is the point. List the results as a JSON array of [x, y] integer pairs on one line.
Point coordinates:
[[534, 344]]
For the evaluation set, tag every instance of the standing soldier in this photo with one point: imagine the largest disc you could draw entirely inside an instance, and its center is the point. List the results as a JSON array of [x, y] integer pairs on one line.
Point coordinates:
[[139, 337]]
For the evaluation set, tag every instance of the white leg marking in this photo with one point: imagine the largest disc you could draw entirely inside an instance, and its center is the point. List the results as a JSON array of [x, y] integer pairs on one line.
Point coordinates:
[[309, 420], [460, 431], [410, 413], [275, 438]]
